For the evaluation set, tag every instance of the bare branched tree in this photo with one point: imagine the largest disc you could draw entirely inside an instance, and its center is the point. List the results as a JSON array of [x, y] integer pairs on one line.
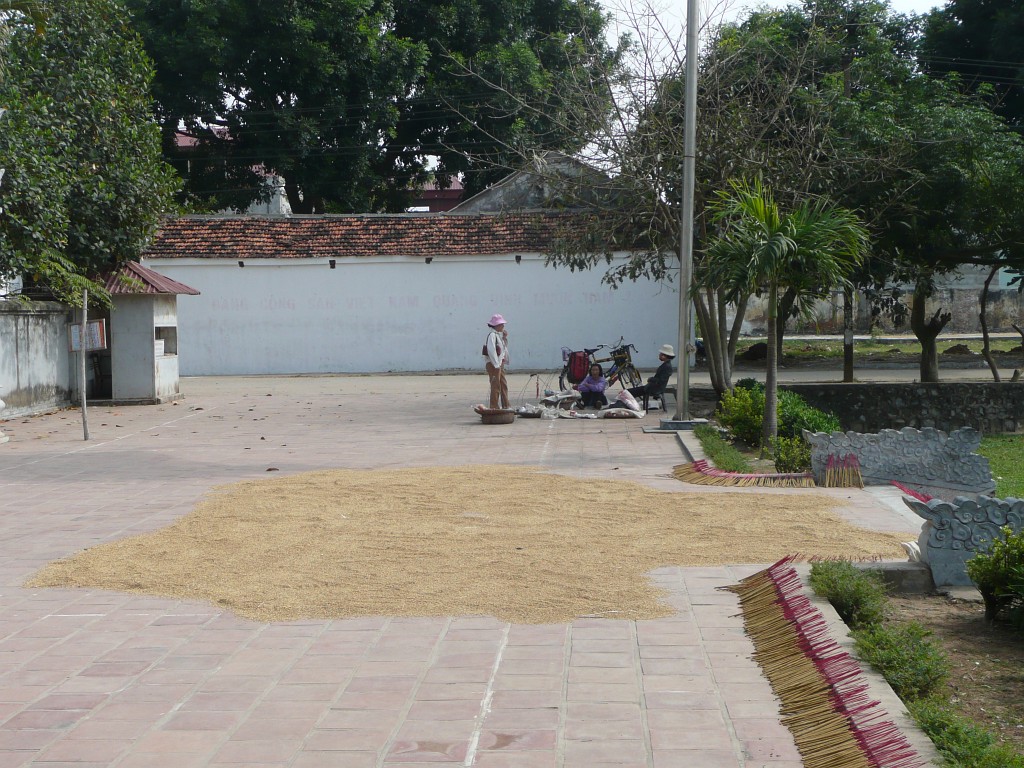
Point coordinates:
[[781, 96]]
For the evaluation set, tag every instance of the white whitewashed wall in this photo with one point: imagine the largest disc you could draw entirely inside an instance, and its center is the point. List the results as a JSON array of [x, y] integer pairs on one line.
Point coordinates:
[[403, 314]]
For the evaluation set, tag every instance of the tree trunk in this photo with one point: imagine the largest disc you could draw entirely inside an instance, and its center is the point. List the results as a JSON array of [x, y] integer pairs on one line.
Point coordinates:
[[770, 428], [785, 307], [709, 330], [734, 334], [719, 339], [848, 333], [1017, 371], [927, 331], [986, 348]]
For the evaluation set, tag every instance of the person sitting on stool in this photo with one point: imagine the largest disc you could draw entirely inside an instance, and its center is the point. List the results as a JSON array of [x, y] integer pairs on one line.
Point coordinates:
[[655, 386]]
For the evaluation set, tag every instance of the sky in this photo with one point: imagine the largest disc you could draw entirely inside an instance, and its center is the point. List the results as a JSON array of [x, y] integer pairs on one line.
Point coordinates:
[[671, 13], [900, 6]]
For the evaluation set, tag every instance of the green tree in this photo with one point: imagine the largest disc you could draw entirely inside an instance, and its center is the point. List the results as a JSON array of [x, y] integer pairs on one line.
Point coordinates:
[[962, 185], [760, 247], [84, 183], [982, 41], [347, 99]]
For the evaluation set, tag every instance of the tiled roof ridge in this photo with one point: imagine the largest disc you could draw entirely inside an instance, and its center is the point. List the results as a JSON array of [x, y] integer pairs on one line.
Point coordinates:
[[445, 215], [356, 235]]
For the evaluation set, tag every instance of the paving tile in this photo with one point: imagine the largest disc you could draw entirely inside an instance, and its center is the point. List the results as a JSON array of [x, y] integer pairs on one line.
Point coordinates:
[[516, 760], [268, 751], [84, 750], [611, 660], [693, 758], [528, 682], [349, 739], [360, 718], [599, 692], [428, 751], [583, 730], [446, 710], [34, 739], [178, 742], [334, 759], [522, 718], [692, 737], [619, 751]]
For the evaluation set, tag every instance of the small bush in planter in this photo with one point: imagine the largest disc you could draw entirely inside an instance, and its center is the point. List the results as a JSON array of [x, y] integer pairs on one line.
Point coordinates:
[[999, 574], [795, 415], [912, 664], [791, 454], [858, 596], [742, 412]]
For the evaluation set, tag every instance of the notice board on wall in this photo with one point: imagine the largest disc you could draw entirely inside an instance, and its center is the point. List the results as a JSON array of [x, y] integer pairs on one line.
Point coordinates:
[[95, 336]]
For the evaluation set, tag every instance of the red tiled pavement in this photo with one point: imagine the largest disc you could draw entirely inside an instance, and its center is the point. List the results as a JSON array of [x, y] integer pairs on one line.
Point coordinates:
[[106, 679]]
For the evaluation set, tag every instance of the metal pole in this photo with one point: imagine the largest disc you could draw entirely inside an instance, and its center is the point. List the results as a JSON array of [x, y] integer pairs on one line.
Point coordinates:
[[686, 212], [82, 334]]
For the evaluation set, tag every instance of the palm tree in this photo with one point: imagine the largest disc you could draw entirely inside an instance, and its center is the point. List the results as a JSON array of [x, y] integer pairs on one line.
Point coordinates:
[[761, 249]]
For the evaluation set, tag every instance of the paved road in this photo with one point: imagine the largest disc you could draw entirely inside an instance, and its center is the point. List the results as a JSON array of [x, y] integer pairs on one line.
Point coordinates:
[[92, 678]]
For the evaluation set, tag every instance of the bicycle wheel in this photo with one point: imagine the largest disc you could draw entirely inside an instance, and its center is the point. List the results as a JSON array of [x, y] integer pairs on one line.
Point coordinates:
[[630, 377], [563, 379]]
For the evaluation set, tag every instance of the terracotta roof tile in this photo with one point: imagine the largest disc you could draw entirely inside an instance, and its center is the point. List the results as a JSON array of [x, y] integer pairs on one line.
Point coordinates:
[[295, 237]]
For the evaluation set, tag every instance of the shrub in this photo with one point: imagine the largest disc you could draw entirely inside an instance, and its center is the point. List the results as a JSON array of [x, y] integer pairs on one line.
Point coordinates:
[[998, 573], [791, 454], [858, 596], [959, 740], [911, 663], [722, 454], [795, 415], [742, 411]]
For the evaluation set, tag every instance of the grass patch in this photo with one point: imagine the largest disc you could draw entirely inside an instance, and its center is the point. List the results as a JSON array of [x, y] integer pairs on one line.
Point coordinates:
[[814, 349], [723, 454], [1005, 454]]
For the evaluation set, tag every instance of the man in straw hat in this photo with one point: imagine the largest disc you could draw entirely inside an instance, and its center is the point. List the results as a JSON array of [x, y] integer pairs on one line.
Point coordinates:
[[655, 385], [496, 352]]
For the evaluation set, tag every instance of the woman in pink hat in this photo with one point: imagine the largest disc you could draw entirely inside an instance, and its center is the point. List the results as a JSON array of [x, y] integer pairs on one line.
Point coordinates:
[[496, 352]]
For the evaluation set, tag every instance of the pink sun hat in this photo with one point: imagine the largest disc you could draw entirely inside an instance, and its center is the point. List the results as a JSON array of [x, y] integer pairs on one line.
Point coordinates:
[[496, 320]]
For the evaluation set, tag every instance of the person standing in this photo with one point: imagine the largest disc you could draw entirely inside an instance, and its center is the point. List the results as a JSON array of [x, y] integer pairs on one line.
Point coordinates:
[[496, 352]]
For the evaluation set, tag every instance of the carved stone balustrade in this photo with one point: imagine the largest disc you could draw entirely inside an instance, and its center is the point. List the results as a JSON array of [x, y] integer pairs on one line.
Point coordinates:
[[955, 531], [926, 460]]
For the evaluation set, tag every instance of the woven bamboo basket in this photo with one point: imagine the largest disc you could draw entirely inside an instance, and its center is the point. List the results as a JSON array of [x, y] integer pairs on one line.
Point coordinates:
[[496, 415]]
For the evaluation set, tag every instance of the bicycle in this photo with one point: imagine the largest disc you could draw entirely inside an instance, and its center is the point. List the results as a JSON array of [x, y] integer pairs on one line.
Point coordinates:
[[622, 372]]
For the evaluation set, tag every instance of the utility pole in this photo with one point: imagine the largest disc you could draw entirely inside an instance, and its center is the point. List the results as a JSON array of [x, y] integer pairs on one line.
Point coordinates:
[[682, 416]]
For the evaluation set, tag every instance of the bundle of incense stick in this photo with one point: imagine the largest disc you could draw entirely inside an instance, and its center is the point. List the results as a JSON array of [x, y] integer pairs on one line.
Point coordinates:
[[843, 472], [911, 492], [825, 701], [702, 473]]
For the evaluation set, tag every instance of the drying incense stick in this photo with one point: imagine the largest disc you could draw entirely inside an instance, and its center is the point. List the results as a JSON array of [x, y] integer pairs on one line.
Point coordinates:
[[825, 700], [702, 473]]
